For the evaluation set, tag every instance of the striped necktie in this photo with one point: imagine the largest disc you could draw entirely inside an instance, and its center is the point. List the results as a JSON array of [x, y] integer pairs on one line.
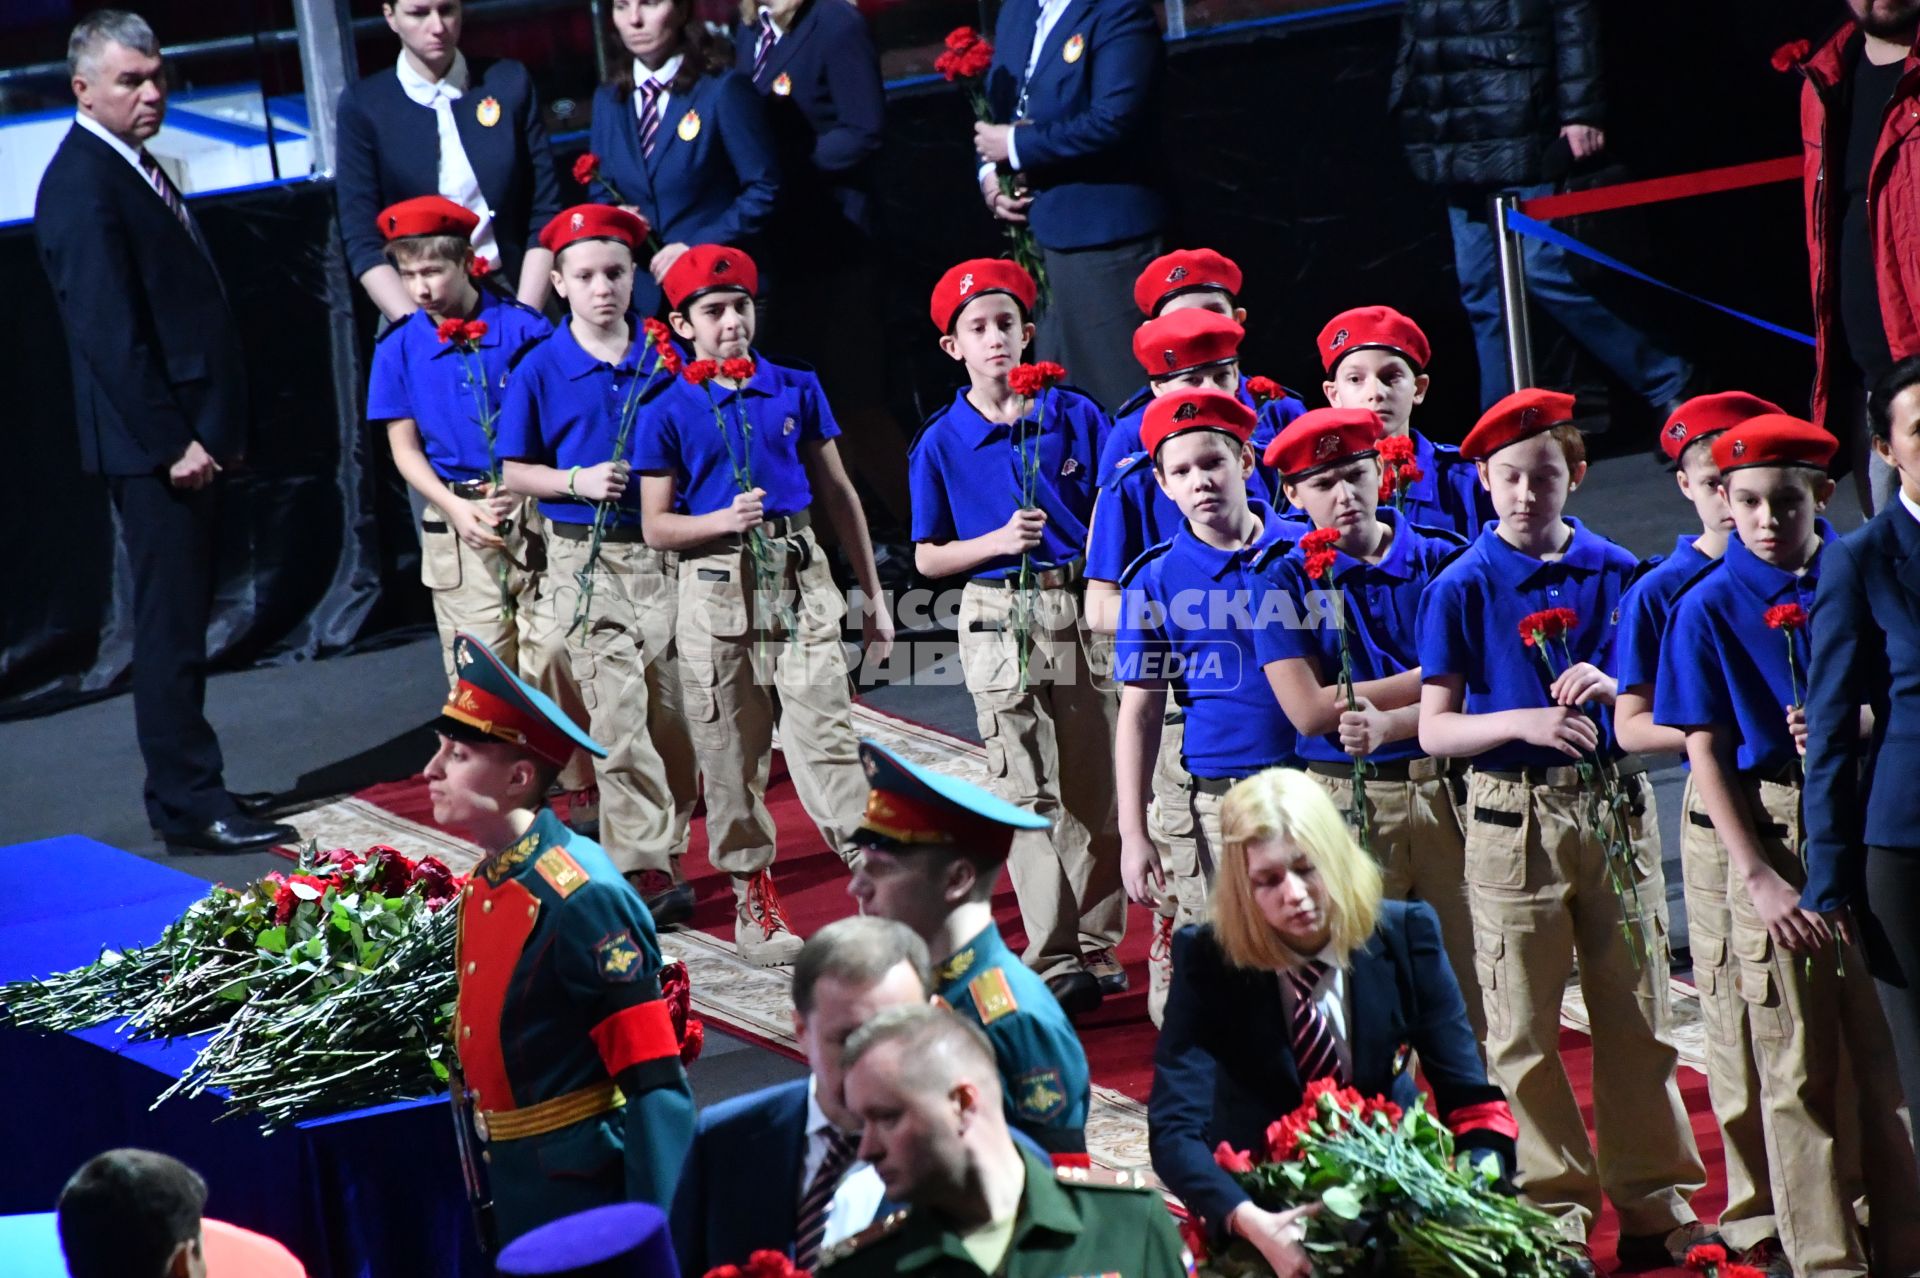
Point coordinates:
[[649, 116], [1313, 1044], [763, 45], [170, 195], [818, 1202]]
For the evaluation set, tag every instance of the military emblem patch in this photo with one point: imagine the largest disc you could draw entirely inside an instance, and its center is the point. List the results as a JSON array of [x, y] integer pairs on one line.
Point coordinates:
[[578, 222], [966, 284], [1186, 412], [1173, 361], [1339, 340], [1327, 446], [1529, 418], [992, 996], [562, 873], [1677, 431], [1739, 448], [1040, 1095], [1177, 274], [619, 958]]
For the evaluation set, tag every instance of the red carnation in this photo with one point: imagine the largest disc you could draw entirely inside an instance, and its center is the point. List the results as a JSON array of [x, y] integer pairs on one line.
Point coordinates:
[[960, 39], [1411, 474], [586, 169], [1705, 1256], [1788, 616], [472, 331], [1395, 450], [967, 63], [1263, 389], [701, 371], [450, 330], [737, 370], [1552, 623], [1195, 1237], [1790, 55], [1029, 380], [284, 904], [1320, 555], [480, 267], [345, 859], [1227, 1158]]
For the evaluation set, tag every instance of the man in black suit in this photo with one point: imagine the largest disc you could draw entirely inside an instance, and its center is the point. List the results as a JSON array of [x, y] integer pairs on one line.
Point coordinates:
[[160, 397]]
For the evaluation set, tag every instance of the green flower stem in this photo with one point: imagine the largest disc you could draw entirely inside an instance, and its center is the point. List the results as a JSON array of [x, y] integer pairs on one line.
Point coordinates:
[[602, 511]]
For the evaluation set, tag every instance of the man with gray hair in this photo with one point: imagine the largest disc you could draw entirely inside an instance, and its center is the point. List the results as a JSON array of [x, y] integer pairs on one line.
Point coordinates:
[[777, 1169], [160, 399], [925, 1087]]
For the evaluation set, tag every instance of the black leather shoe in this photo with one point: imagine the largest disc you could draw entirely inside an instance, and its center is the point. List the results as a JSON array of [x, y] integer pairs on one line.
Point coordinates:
[[256, 802], [237, 833], [1077, 992]]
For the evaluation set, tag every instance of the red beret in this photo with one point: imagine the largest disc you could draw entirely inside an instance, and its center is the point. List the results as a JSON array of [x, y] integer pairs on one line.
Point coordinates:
[[1184, 271], [1186, 339], [592, 222], [706, 267], [978, 277], [1521, 415], [427, 215], [1186, 410], [1705, 415], [1773, 439], [1324, 437], [1372, 327]]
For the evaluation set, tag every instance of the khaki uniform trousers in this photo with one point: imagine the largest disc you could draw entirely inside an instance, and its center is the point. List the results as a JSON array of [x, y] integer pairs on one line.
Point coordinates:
[[1733, 1076], [1805, 1018], [736, 653], [1050, 750], [622, 662], [1539, 888], [466, 597], [1170, 824], [1421, 849]]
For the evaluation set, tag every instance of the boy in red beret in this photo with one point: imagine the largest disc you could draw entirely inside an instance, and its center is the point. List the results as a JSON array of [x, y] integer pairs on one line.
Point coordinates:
[[1046, 714], [1376, 359], [561, 432], [1375, 563], [1732, 678], [733, 457], [1515, 637]]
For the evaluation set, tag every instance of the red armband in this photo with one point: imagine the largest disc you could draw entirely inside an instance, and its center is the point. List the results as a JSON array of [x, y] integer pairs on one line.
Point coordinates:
[[1071, 1160], [636, 1035], [1488, 1116]]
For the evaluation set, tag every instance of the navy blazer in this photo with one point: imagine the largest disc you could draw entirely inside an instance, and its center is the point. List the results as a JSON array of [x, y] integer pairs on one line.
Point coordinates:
[[715, 187], [826, 106], [389, 150], [1866, 651], [156, 354], [1223, 1068], [1090, 145]]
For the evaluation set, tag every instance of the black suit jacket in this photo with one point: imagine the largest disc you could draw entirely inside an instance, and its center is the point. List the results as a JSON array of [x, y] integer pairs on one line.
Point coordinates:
[[1223, 1068], [157, 360], [389, 150]]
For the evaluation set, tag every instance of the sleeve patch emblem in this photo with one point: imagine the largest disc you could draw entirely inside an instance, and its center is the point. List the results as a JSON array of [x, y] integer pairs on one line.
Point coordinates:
[[619, 957], [1039, 1095]]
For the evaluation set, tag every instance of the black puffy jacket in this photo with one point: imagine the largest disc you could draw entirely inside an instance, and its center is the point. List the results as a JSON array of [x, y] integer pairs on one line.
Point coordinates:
[[1482, 87]]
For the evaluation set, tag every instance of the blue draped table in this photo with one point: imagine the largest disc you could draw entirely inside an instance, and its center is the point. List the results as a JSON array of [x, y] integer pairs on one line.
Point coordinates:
[[369, 1193]]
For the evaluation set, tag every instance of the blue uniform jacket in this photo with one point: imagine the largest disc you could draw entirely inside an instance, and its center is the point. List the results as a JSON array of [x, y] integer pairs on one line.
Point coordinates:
[[716, 186], [389, 150], [1223, 1068], [1866, 651], [1092, 110], [826, 106]]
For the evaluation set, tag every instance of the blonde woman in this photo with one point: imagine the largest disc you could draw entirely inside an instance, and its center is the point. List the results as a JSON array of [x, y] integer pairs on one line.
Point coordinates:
[[1302, 971]]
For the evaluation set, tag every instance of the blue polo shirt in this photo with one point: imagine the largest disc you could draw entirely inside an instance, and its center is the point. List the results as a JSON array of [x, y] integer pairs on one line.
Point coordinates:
[[1188, 619], [417, 375], [1646, 609], [1469, 625], [1123, 438], [1723, 665], [1133, 515], [782, 408], [1382, 605], [964, 474], [1447, 497], [563, 410]]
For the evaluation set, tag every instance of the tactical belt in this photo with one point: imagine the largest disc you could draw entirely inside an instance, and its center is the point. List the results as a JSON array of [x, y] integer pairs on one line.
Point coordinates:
[[1559, 778], [1705, 822], [1424, 768], [471, 489], [1054, 578], [772, 529], [549, 1115], [628, 533]]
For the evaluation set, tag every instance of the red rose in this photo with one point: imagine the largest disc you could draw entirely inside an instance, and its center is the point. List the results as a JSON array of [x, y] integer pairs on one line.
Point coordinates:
[[737, 370], [586, 169], [1705, 1255], [1790, 55], [345, 858], [1227, 1158], [701, 371], [1790, 616], [284, 904], [396, 871], [450, 330], [960, 39], [1263, 389], [436, 882]]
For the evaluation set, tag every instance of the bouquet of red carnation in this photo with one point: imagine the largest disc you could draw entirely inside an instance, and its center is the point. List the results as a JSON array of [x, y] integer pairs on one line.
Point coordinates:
[[1033, 383], [1711, 1259], [1399, 468], [464, 336], [1319, 548], [1394, 1200], [965, 60], [767, 587], [761, 1264], [1264, 391]]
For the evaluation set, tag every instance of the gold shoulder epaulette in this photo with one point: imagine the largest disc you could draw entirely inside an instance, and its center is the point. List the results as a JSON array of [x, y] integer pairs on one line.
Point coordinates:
[[888, 1224], [562, 873], [1102, 1178], [992, 996]]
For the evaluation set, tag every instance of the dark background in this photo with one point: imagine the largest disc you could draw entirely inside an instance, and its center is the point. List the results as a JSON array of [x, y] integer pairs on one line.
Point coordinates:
[[1281, 154]]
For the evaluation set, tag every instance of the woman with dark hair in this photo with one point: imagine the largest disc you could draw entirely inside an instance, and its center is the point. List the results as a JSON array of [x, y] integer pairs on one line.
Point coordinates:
[[682, 136], [435, 124]]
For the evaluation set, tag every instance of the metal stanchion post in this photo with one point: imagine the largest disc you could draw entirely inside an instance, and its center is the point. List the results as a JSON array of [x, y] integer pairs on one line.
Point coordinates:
[[328, 65], [1513, 293]]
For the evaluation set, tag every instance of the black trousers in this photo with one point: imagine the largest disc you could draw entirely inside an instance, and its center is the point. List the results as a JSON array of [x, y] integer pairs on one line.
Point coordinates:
[[1089, 325], [169, 539], [1890, 931]]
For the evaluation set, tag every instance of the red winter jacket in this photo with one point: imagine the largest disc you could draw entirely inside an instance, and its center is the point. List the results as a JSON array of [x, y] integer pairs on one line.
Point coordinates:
[[1893, 209]]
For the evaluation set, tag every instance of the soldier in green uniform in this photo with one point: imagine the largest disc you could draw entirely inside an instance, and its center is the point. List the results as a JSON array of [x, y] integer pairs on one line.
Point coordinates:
[[924, 1085], [932, 849], [569, 1055]]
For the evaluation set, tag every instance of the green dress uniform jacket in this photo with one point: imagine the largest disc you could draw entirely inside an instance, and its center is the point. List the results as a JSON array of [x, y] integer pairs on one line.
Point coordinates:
[[1043, 1068], [568, 1051], [1074, 1222]]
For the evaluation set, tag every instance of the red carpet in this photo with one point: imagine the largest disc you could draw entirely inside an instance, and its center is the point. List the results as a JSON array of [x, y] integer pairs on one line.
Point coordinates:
[[1119, 1038]]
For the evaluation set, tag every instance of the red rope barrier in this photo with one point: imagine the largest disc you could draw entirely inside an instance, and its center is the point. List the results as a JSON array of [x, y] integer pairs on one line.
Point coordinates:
[[1788, 168]]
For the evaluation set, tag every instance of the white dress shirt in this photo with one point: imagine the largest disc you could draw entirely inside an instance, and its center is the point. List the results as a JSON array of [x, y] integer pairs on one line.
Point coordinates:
[[457, 180], [1913, 507], [860, 1193], [668, 69], [1050, 11], [1330, 994], [107, 135]]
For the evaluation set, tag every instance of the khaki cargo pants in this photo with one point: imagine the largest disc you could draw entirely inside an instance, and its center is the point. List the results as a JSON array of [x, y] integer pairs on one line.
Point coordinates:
[[1421, 849], [622, 662], [466, 597], [1538, 884], [737, 652], [1805, 1018], [1171, 826], [1050, 750]]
